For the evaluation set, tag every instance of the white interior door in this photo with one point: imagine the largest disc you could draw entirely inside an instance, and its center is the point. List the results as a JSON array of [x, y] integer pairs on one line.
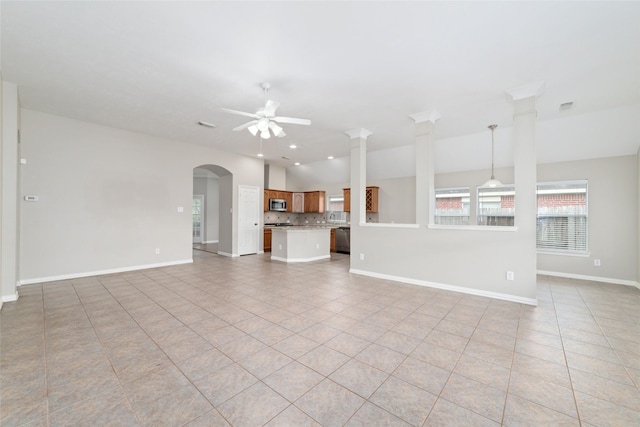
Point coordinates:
[[197, 213], [249, 199]]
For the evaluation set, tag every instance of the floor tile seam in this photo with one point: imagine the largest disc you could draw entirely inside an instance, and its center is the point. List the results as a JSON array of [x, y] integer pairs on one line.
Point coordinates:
[[106, 353], [609, 400], [566, 361], [595, 374], [440, 397]]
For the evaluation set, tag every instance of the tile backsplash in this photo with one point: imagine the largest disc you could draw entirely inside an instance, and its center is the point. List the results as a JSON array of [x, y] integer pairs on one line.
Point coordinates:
[[307, 218]]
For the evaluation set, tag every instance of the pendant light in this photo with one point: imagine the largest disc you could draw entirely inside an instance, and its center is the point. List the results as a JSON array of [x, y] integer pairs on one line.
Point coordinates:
[[492, 182]]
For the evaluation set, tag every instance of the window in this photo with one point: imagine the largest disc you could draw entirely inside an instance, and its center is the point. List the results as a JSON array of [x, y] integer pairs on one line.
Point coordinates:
[[335, 209], [452, 206], [496, 206], [562, 216]]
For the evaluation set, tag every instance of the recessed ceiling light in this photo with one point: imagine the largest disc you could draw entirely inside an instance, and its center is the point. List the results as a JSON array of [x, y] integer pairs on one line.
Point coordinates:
[[330, 157], [297, 163], [260, 155], [206, 124], [292, 146]]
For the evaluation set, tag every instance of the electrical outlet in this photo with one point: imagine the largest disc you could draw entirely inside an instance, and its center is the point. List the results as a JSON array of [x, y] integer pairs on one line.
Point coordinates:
[[596, 262], [511, 275], [361, 257], [157, 251]]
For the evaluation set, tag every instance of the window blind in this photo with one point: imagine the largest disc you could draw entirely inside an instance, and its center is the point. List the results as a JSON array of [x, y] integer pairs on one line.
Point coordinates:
[[562, 219]]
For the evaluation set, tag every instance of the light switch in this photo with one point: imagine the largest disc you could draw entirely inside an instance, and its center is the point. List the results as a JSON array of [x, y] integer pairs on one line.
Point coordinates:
[[180, 209]]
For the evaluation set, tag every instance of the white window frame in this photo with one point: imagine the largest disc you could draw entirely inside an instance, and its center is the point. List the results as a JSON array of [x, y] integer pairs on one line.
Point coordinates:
[[568, 251], [506, 189], [453, 192]]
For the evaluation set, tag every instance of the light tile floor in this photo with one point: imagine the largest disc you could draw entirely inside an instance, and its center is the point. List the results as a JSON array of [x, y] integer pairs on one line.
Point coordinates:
[[250, 342]]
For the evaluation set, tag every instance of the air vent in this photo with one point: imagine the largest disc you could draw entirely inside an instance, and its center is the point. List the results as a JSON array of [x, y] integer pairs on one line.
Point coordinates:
[[206, 124], [566, 106], [286, 158]]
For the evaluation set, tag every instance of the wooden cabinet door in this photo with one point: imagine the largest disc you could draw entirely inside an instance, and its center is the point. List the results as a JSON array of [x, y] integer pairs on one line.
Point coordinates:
[[346, 193], [332, 242], [314, 201], [321, 201], [298, 203], [267, 194], [288, 196], [267, 240], [309, 198]]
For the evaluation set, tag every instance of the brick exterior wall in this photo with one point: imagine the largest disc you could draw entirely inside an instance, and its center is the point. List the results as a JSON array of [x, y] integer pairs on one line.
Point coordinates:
[[449, 203]]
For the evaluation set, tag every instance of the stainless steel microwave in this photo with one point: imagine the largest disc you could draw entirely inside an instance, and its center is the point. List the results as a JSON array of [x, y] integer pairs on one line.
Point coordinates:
[[279, 205]]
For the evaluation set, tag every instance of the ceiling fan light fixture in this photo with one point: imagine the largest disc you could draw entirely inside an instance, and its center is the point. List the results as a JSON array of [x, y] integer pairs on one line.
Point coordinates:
[[263, 124], [277, 130], [265, 134]]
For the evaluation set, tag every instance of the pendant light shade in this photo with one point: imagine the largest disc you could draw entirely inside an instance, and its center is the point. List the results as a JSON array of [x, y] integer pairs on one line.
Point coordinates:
[[492, 182]]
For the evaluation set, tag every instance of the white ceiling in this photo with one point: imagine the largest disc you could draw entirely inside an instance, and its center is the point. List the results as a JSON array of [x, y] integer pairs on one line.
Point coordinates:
[[160, 67]]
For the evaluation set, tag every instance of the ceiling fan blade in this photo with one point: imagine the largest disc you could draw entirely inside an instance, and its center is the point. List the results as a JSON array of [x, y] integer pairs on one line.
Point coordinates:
[[240, 113], [270, 108], [246, 125], [292, 120]]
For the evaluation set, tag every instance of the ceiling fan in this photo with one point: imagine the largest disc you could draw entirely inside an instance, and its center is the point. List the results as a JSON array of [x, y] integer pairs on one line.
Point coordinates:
[[265, 119]]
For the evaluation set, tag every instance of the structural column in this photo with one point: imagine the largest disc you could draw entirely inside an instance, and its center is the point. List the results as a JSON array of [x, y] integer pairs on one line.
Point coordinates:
[[525, 175], [425, 165], [358, 174]]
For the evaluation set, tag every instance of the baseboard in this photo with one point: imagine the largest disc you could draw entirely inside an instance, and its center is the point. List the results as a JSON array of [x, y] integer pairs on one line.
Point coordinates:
[[9, 298], [102, 272], [443, 286], [590, 278], [227, 254], [211, 241], [317, 258]]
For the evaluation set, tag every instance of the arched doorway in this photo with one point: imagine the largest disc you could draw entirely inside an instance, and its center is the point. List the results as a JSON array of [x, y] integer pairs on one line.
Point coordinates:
[[212, 201]]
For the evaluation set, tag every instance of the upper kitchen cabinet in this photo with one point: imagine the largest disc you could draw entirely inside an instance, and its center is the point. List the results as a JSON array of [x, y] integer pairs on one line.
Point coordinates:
[[314, 201], [298, 203], [278, 194], [371, 199]]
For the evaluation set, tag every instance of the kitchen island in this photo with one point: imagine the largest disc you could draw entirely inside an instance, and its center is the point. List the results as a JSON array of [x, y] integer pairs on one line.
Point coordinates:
[[300, 244]]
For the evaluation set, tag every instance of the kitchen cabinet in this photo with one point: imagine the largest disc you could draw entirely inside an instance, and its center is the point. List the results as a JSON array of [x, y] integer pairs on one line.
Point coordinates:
[[267, 240], [314, 201], [371, 199], [298, 203], [277, 194], [346, 193], [332, 241], [288, 196]]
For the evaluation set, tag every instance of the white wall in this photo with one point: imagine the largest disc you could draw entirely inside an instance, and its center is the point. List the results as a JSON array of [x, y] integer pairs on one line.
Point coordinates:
[[9, 207], [613, 218], [109, 197], [472, 260]]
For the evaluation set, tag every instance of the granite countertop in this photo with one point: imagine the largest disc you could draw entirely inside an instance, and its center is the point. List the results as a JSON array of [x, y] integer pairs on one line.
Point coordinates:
[[301, 227]]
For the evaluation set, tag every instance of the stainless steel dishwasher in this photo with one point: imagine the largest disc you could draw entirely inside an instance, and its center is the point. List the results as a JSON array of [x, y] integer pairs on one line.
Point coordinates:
[[343, 240]]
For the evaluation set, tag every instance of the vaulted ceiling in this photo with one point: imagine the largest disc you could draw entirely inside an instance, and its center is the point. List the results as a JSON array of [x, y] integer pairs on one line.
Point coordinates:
[[160, 67]]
